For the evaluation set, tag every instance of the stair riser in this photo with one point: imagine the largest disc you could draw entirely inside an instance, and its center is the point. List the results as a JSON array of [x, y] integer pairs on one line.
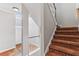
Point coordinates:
[[63, 54], [67, 42], [74, 28], [64, 50], [72, 47], [60, 53], [66, 33], [63, 37], [73, 40], [54, 54]]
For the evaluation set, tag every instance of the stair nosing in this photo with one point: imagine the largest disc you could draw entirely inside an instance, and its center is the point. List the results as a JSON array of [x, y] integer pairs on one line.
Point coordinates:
[[61, 35], [66, 31], [65, 41]]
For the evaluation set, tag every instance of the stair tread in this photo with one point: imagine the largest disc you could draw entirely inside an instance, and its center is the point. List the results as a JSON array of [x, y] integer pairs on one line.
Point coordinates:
[[67, 31], [66, 45], [60, 35], [65, 50], [55, 53], [67, 39], [66, 42]]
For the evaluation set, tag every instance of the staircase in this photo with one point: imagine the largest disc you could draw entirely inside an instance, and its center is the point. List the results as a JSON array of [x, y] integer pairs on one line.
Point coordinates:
[[65, 42]]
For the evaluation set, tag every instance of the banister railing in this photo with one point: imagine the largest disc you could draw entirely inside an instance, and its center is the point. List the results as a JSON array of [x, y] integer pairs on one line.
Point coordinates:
[[51, 11], [34, 36]]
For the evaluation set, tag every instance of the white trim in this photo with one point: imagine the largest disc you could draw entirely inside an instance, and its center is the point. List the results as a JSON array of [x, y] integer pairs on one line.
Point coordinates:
[[7, 11], [64, 26], [60, 25], [7, 49], [34, 51], [47, 48], [49, 6], [67, 26], [42, 30], [18, 43]]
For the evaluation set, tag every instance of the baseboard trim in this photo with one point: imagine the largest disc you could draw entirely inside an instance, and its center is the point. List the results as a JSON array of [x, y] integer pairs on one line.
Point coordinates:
[[66, 26], [47, 48], [3, 51], [7, 49]]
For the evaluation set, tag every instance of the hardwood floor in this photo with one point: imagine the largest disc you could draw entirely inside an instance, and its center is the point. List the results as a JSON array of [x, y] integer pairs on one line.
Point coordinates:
[[18, 50], [12, 52], [65, 42]]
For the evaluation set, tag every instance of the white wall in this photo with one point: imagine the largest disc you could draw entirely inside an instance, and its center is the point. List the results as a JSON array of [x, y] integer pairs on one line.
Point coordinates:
[[33, 27], [25, 40], [8, 23], [77, 17], [35, 11], [66, 15], [77, 5], [49, 26], [7, 30]]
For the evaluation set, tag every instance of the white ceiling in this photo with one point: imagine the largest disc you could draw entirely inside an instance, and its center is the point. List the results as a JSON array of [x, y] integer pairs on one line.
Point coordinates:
[[8, 6]]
